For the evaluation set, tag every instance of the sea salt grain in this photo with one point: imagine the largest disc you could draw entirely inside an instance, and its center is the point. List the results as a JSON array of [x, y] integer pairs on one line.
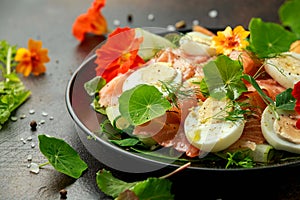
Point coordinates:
[[32, 145], [13, 118], [29, 138], [213, 13], [29, 157], [23, 116], [195, 22], [151, 17], [45, 114], [116, 22], [171, 28], [34, 168], [22, 139]]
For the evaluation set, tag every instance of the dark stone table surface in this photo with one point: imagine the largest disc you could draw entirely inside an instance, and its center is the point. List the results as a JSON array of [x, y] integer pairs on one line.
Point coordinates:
[[51, 22]]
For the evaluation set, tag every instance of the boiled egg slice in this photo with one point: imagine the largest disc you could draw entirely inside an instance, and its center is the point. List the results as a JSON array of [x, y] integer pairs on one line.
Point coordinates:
[[197, 44], [281, 133], [154, 74], [285, 69], [206, 128]]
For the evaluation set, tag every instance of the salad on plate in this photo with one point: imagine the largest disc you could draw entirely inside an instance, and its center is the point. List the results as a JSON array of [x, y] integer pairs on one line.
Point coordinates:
[[227, 99]]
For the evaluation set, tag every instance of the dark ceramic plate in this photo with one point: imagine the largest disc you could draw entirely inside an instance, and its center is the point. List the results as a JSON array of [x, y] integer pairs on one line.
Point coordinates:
[[88, 125]]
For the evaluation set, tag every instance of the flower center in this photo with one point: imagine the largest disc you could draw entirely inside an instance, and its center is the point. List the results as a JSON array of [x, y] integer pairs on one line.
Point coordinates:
[[34, 58], [232, 42], [124, 58]]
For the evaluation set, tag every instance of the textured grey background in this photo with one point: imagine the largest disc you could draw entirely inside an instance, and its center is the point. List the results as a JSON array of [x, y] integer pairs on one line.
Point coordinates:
[[51, 22]]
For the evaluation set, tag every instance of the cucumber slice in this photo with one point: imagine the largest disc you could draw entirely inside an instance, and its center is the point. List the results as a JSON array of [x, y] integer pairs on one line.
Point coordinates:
[[152, 43]]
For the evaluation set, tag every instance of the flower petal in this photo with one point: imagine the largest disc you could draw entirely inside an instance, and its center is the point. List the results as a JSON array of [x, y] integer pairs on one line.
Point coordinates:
[[229, 40], [32, 60], [115, 57], [296, 90], [23, 55], [90, 22]]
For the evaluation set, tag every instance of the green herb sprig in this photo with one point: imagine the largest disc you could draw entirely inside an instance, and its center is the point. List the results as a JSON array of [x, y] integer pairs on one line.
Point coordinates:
[[12, 90]]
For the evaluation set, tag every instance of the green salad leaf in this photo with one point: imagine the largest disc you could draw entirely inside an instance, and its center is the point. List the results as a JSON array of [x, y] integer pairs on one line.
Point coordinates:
[[92, 88], [127, 142], [142, 104], [61, 156], [94, 85], [111, 185], [223, 78], [151, 188], [269, 39], [289, 15], [285, 100], [12, 90], [4, 52]]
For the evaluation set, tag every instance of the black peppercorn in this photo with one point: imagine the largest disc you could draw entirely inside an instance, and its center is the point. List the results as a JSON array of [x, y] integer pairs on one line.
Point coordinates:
[[33, 125], [63, 193], [129, 18]]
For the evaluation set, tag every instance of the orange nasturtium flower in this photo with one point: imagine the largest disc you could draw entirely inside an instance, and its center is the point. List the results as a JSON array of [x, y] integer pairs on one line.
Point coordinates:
[[32, 60], [91, 22], [296, 95], [229, 40], [118, 54]]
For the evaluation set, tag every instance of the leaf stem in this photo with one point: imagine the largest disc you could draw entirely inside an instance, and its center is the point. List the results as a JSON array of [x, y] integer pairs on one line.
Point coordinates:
[[8, 61], [43, 164], [177, 170]]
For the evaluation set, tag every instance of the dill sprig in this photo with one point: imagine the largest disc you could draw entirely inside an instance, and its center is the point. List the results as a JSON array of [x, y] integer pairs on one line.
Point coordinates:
[[176, 92]]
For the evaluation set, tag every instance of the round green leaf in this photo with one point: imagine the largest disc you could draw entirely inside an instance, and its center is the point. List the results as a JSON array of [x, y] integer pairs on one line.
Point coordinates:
[[268, 39], [289, 15], [61, 156], [142, 104]]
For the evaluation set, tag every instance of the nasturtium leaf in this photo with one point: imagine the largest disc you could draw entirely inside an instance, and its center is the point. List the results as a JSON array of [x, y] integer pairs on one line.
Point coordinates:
[[110, 185], [223, 78], [154, 189], [285, 100], [203, 88], [269, 39], [151, 188], [127, 195], [289, 15], [142, 104], [61, 156]]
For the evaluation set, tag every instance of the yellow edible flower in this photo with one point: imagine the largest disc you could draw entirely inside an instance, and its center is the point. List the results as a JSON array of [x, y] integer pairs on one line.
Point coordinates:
[[32, 60], [229, 40]]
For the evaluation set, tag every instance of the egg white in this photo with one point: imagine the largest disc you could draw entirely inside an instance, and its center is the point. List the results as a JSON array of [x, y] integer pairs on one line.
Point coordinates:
[[208, 134], [153, 74], [285, 69], [196, 44], [267, 127]]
